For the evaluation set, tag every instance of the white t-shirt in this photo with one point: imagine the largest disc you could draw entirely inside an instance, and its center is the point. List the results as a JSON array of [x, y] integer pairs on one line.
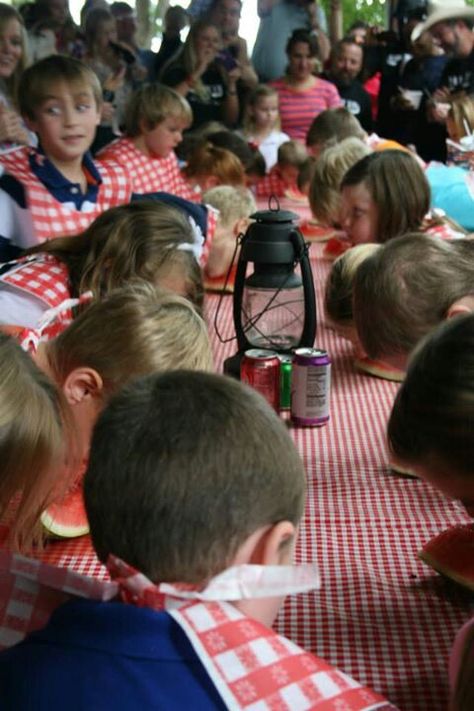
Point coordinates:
[[269, 147]]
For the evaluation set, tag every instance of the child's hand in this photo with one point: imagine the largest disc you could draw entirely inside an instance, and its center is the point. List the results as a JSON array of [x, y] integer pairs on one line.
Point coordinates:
[[232, 77], [11, 127]]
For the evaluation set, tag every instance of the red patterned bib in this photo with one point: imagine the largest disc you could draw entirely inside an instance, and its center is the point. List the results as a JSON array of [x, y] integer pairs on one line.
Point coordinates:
[[52, 218], [42, 276], [251, 666], [148, 174]]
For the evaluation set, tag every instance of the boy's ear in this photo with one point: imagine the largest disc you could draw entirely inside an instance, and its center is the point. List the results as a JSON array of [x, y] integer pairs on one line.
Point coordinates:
[[82, 384], [461, 307], [270, 545], [240, 226]]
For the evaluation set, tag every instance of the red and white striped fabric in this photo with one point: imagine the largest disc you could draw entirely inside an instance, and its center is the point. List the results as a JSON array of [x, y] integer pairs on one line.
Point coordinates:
[[381, 615], [41, 275], [147, 173], [52, 218]]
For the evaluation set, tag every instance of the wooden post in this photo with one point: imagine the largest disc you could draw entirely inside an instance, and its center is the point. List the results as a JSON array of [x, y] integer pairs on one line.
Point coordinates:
[[144, 28], [335, 21]]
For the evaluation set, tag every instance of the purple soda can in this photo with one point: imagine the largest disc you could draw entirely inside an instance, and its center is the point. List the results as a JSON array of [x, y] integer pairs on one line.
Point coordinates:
[[310, 387]]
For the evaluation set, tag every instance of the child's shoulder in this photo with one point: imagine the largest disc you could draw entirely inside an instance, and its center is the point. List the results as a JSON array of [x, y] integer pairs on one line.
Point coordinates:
[[85, 637]]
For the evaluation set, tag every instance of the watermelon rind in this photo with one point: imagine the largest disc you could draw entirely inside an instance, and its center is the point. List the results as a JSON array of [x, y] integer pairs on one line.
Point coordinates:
[[379, 369], [55, 528], [442, 554], [67, 517]]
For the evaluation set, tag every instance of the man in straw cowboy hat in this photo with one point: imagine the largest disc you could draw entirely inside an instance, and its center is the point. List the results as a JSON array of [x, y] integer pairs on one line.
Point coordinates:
[[451, 22]]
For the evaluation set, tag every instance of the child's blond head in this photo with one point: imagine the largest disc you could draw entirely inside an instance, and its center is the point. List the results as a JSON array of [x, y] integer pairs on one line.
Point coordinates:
[[134, 331], [33, 439], [328, 172], [151, 104], [460, 120], [233, 203], [38, 80], [184, 467]]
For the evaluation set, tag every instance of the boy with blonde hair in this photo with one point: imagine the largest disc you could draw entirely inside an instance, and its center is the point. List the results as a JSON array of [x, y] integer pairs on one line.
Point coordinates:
[[57, 189], [194, 493], [235, 206], [155, 119]]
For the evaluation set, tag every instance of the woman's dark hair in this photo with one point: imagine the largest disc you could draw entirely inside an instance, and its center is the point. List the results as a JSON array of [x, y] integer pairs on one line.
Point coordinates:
[[302, 35]]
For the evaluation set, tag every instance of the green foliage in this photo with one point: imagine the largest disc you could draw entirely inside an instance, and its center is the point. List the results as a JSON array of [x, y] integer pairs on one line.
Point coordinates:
[[372, 11]]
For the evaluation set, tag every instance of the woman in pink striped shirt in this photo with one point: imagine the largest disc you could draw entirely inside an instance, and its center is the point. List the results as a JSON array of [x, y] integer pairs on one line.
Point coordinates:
[[302, 96]]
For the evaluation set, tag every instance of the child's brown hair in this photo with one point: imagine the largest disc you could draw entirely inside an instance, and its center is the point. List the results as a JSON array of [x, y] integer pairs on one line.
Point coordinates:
[[292, 153], [36, 81], [431, 419], [199, 462], [209, 160], [333, 125], [144, 240], [404, 290], [339, 285], [398, 187], [151, 104], [328, 172], [34, 438]]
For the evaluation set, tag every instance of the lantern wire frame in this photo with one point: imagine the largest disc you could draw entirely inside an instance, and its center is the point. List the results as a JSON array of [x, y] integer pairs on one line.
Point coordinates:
[[251, 323]]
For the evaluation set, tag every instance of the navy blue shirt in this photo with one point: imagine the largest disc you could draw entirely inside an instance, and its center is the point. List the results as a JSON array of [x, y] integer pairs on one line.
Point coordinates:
[[59, 186], [100, 656]]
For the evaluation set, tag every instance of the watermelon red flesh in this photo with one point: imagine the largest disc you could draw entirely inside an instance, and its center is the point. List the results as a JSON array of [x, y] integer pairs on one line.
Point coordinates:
[[67, 518], [335, 247], [452, 554], [379, 369]]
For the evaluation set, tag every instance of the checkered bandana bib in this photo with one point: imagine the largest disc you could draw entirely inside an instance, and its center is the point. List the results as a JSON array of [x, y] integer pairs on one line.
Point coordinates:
[[251, 666], [52, 218]]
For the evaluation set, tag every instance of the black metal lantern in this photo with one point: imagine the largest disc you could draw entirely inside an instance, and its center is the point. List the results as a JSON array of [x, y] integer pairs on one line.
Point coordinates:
[[274, 306]]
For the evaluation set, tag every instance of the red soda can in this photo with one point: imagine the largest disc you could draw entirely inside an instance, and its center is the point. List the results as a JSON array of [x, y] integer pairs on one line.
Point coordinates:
[[310, 386], [261, 370]]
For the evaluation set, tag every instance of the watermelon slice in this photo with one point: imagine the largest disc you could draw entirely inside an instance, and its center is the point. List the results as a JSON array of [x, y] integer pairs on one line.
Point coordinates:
[[295, 195], [399, 469], [379, 369], [315, 232], [67, 517], [216, 284], [451, 553], [335, 247]]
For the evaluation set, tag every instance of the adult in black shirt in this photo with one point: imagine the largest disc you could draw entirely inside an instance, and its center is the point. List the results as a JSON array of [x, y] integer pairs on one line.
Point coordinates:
[[197, 74], [345, 66]]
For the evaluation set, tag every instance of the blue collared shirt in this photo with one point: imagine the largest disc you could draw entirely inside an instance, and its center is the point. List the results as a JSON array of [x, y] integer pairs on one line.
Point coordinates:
[[59, 186]]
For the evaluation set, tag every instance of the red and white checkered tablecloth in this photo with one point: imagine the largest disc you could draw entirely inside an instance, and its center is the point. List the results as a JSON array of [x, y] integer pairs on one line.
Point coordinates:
[[381, 615]]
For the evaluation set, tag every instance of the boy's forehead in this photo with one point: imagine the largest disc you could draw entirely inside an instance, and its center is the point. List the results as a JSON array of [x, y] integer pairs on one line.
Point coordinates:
[[63, 89]]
